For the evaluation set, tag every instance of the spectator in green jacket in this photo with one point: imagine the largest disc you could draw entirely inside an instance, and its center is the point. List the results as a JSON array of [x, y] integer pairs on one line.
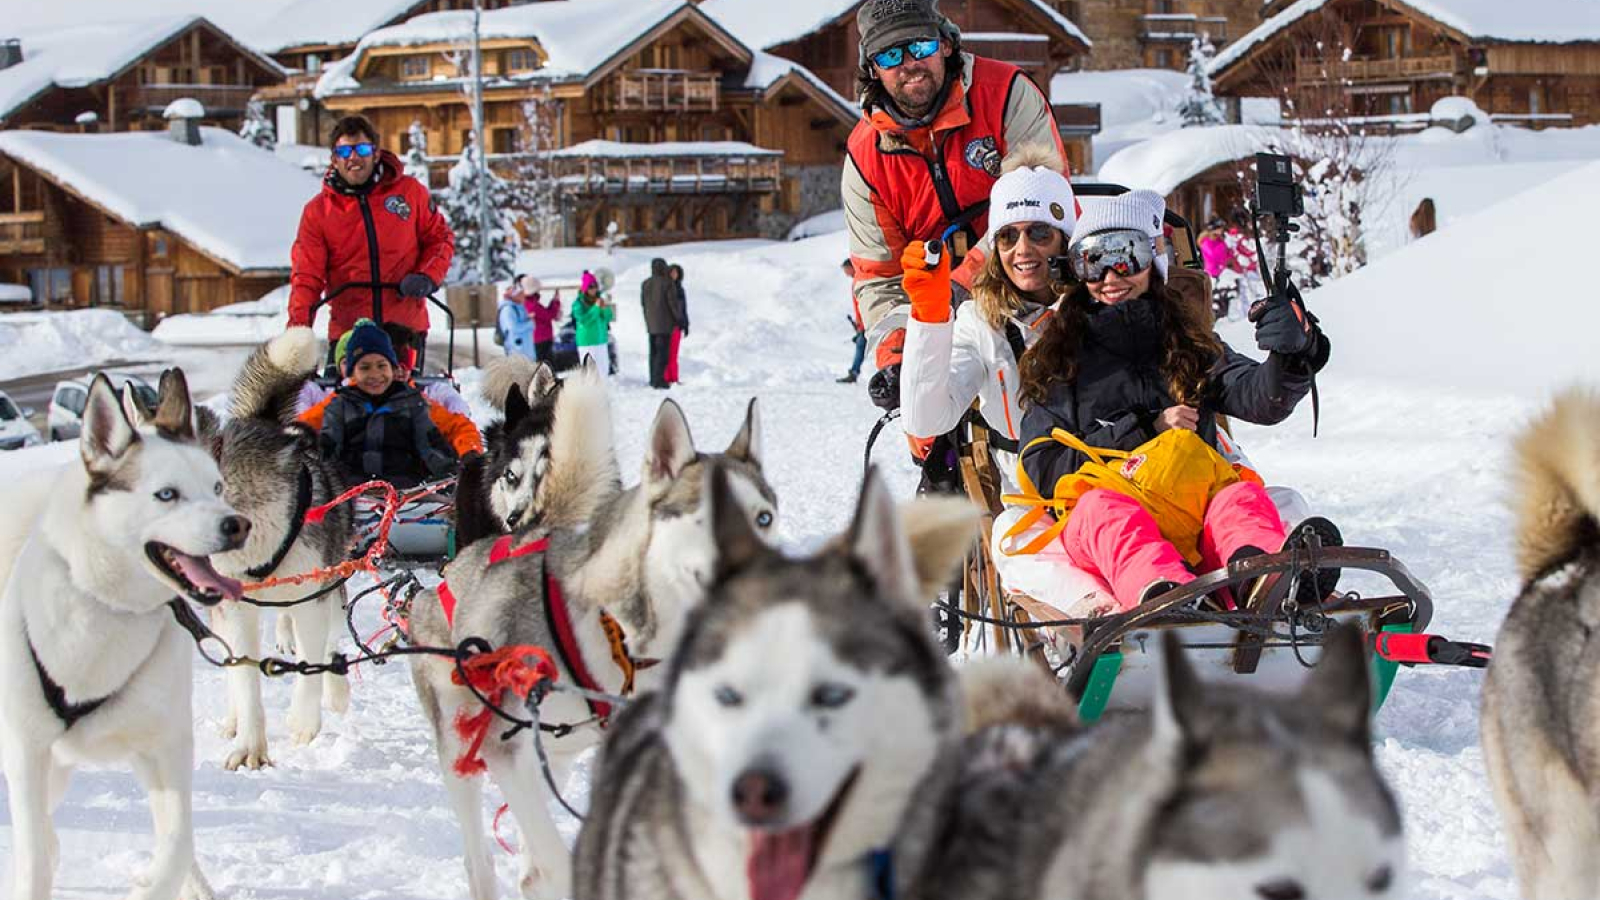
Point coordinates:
[[593, 316]]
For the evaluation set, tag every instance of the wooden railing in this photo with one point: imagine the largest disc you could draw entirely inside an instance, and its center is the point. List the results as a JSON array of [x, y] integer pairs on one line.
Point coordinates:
[[660, 90], [1079, 118], [1313, 71], [1182, 27], [22, 233], [668, 175], [211, 96], [1017, 50]]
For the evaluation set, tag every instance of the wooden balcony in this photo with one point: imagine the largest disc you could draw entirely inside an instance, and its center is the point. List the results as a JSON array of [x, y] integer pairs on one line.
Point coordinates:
[[1181, 28], [660, 90], [1415, 68], [22, 234], [582, 175], [1026, 51], [1077, 118], [218, 99]]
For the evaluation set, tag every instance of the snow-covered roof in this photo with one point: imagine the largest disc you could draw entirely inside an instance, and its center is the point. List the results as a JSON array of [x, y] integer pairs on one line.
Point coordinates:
[[1535, 21], [767, 23], [1166, 161], [80, 55], [313, 22], [233, 201], [767, 70], [622, 150]]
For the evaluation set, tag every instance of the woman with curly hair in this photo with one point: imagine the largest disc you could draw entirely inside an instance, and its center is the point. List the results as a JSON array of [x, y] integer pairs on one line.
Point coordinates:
[[1125, 359]]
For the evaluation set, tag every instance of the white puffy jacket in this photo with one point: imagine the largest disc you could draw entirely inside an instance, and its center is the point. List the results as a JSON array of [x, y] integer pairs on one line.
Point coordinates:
[[949, 364]]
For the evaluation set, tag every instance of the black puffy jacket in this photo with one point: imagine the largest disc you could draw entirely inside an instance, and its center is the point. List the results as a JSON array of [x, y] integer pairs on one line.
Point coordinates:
[[390, 437], [1119, 391]]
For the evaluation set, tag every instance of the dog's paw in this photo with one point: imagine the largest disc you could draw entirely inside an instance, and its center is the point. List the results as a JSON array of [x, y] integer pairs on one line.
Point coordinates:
[[284, 637], [195, 887], [304, 725], [545, 883], [336, 691], [247, 756]]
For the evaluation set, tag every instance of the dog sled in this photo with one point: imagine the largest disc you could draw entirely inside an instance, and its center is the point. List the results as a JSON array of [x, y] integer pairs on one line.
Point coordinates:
[[1108, 662]]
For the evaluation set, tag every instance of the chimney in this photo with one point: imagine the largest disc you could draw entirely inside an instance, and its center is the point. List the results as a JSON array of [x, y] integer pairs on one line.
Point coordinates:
[[183, 117], [10, 52]]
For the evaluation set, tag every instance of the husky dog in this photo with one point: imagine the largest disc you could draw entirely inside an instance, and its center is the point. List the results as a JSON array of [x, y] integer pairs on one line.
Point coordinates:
[[1541, 740], [500, 489], [804, 704], [93, 666], [642, 556], [1218, 793]]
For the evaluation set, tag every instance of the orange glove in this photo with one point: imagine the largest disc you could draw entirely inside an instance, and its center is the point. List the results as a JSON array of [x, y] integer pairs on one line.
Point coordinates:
[[891, 349], [928, 287]]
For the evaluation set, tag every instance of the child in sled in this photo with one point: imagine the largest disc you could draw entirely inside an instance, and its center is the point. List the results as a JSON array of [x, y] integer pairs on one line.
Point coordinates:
[[1126, 366], [378, 426]]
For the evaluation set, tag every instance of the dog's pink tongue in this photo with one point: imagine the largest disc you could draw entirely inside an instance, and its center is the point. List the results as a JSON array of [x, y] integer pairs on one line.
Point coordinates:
[[779, 863], [200, 574]]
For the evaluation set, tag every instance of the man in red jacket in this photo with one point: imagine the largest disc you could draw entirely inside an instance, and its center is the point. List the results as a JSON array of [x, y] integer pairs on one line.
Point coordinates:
[[370, 223]]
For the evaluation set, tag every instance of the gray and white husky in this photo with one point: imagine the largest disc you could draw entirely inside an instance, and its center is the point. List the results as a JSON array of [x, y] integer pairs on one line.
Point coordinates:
[[272, 472], [500, 489], [642, 555], [803, 705], [1219, 792], [93, 666], [1541, 734]]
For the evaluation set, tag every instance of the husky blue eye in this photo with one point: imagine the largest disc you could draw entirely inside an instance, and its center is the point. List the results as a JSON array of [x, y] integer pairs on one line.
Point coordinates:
[[167, 495], [727, 696], [511, 479], [831, 696], [217, 489], [764, 519]]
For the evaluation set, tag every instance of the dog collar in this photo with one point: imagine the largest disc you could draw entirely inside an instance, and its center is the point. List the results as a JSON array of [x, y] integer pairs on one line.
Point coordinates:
[[297, 520]]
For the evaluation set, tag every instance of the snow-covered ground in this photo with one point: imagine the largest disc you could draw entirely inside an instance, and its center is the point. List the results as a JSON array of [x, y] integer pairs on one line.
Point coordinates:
[[43, 341], [1417, 410]]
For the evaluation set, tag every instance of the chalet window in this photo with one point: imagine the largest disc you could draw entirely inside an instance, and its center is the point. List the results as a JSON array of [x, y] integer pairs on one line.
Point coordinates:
[[1535, 99], [416, 67], [313, 63], [107, 286], [1399, 104], [521, 60], [1161, 7], [504, 140], [158, 245]]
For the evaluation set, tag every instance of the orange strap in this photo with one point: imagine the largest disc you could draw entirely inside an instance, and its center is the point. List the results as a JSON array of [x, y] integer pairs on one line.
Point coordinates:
[[518, 669]]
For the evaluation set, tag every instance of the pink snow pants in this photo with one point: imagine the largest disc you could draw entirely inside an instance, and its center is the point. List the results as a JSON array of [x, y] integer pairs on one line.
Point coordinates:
[[1111, 536]]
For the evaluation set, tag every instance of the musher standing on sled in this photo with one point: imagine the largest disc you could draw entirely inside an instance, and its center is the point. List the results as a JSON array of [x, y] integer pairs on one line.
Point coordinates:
[[936, 123]]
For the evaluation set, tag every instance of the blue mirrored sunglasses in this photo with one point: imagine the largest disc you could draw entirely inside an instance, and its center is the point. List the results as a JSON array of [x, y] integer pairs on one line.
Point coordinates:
[[894, 56], [344, 151]]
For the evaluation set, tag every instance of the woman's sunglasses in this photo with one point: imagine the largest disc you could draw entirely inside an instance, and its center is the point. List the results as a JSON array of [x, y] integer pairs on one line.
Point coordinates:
[[1127, 253], [1038, 235], [345, 151], [894, 56]]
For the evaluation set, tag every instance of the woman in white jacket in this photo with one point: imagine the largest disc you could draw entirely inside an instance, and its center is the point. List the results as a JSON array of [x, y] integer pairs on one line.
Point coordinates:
[[952, 360]]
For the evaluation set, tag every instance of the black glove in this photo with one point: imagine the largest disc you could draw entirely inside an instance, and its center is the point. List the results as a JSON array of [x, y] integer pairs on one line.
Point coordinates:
[[417, 285], [1283, 327], [884, 388]]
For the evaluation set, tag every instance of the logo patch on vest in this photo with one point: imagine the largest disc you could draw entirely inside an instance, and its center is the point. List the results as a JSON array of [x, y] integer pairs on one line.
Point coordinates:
[[1132, 465], [397, 204], [983, 155]]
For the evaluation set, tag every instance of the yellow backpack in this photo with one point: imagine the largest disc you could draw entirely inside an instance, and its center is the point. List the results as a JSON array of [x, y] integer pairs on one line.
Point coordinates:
[[1173, 476]]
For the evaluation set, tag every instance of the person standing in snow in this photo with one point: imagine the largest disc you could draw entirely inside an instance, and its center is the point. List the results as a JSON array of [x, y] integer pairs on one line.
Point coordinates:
[[592, 315], [370, 223], [513, 320], [859, 338], [657, 298], [545, 314], [1242, 262], [924, 157], [680, 311]]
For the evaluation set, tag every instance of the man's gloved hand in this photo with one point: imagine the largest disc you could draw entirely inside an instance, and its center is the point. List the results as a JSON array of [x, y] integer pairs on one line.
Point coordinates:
[[417, 285], [928, 286], [884, 388], [1282, 326]]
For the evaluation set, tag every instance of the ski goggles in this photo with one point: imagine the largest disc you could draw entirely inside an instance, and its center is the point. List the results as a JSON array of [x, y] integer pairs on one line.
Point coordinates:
[[894, 56], [1125, 252], [1038, 233], [345, 151]]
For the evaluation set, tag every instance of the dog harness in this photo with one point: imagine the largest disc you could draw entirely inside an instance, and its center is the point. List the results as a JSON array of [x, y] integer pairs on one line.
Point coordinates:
[[56, 696], [559, 620], [297, 520]]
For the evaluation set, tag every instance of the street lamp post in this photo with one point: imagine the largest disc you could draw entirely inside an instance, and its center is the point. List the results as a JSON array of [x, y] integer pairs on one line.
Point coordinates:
[[477, 131]]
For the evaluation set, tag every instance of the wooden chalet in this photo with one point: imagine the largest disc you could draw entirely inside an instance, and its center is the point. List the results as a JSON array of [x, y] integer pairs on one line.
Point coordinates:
[[122, 76], [673, 128], [1156, 34], [1534, 62], [148, 223]]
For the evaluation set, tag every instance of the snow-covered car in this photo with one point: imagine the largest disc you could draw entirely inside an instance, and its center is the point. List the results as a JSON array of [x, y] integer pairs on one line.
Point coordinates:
[[16, 431], [65, 418]]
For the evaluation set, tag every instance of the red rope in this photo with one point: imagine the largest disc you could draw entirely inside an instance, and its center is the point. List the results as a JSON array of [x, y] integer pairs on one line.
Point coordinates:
[[504, 844], [519, 669]]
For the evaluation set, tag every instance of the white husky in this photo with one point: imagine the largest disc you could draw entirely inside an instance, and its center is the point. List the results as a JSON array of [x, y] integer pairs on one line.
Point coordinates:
[[93, 667]]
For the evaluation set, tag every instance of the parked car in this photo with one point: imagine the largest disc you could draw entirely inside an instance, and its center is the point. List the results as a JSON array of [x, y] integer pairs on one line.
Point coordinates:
[[65, 419], [16, 431]]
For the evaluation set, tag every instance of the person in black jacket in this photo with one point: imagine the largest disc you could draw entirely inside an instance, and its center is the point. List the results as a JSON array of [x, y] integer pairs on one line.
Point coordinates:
[[1125, 359]]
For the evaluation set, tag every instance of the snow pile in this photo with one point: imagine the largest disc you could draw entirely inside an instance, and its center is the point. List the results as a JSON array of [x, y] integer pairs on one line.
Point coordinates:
[[31, 343], [824, 223], [184, 108], [250, 322], [227, 197], [313, 22]]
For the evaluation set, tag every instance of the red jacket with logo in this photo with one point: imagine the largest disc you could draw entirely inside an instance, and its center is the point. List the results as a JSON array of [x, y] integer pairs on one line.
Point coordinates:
[[382, 234]]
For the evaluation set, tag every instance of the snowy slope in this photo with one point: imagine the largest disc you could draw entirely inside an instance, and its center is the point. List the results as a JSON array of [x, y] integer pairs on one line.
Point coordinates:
[[1411, 458]]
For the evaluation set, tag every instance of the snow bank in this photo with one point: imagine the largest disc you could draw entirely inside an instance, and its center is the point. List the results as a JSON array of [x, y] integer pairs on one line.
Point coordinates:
[[1135, 104], [31, 343], [1492, 304], [826, 223], [251, 322]]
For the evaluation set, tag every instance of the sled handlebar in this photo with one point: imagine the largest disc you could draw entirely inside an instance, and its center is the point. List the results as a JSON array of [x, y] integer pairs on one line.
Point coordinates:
[[377, 288]]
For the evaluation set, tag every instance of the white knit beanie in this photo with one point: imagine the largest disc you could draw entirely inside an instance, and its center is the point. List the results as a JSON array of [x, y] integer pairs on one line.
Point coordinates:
[[1031, 194], [1140, 210]]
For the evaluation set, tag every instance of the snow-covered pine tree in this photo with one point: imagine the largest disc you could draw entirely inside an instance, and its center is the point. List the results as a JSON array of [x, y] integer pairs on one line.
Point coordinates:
[[257, 128], [460, 206], [613, 238], [416, 158], [1199, 106], [537, 186]]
